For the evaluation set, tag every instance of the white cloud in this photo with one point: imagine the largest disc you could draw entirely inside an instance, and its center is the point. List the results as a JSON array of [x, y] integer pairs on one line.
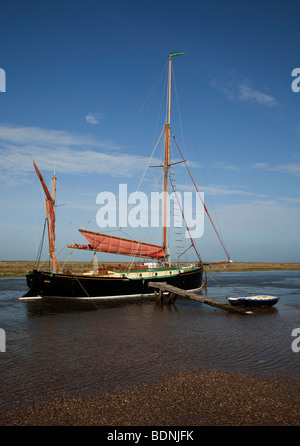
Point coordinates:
[[215, 190], [243, 92], [225, 165], [290, 200], [64, 151], [94, 118], [249, 228], [260, 165], [225, 88], [247, 93], [46, 137], [290, 168], [259, 217]]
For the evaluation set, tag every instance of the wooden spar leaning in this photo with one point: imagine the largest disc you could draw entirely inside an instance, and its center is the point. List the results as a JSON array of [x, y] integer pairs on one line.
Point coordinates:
[[49, 233], [174, 291], [50, 210]]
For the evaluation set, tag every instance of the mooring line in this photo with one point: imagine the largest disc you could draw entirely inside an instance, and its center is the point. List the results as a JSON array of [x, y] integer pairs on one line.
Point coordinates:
[[86, 292], [220, 285]]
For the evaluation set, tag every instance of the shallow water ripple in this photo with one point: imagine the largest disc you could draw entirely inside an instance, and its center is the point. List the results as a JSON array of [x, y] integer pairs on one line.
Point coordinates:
[[55, 351]]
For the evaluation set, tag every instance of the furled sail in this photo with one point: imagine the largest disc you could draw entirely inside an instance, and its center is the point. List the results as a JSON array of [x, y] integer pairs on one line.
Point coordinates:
[[50, 206], [117, 245]]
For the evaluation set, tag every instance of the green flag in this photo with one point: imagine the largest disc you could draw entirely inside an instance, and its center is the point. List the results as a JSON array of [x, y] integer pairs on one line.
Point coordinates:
[[175, 54]]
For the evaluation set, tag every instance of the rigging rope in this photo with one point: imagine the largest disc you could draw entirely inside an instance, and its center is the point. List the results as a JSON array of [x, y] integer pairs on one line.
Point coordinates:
[[220, 285], [86, 292], [177, 258], [205, 208], [38, 257], [192, 241], [153, 152]]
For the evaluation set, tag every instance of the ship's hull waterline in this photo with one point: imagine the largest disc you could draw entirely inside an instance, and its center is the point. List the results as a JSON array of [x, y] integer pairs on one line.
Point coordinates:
[[75, 286]]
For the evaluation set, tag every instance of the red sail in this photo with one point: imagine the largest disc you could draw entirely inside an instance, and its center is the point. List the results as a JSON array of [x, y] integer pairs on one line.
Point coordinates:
[[117, 245], [51, 209]]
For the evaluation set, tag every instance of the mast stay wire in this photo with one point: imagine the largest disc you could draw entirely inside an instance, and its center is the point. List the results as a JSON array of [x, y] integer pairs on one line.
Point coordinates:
[[205, 208], [192, 241], [208, 188], [157, 143], [148, 164], [209, 275], [146, 101], [220, 237], [146, 104]]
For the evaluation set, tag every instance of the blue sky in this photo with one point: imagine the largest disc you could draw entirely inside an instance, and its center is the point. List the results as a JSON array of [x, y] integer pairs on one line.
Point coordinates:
[[84, 87]]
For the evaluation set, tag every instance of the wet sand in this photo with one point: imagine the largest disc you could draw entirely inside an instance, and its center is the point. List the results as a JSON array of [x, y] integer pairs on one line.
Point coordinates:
[[193, 398]]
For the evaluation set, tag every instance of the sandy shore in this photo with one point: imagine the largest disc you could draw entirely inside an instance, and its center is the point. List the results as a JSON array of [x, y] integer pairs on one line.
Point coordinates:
[[193, 398]]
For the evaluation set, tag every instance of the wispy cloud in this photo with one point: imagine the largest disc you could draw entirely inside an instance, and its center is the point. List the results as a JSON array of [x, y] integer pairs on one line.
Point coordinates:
[[226, 88], [260, 165], [259, 216], [290, 199], [48, 137], [247, 93], [215, 190], [228, 166], [93, 118], [244, 92], [64, 151], [289, 168]]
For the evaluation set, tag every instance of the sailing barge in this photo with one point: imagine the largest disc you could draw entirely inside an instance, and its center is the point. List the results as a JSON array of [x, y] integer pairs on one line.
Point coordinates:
[[117, 283]]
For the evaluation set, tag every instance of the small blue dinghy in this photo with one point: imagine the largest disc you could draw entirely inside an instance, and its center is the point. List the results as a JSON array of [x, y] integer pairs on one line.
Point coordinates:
[[253, 301]]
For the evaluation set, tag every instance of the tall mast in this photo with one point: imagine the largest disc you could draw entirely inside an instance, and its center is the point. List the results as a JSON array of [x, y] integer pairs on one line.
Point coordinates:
[[54, 187], [167, 160], [54, 259], [167, 165]]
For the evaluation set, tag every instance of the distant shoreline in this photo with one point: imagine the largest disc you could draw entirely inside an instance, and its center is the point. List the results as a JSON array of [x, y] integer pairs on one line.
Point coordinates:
[[255, 266], [18, 269]]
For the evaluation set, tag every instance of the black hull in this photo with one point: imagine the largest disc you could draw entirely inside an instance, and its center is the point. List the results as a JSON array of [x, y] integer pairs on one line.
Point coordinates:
[[52, 285]]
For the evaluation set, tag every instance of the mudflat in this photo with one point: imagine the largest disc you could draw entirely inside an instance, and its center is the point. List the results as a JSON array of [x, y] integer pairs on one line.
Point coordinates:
[[193, 398]]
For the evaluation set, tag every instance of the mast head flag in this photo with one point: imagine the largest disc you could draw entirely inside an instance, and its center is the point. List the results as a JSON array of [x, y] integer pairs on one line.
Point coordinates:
[[176, 54]]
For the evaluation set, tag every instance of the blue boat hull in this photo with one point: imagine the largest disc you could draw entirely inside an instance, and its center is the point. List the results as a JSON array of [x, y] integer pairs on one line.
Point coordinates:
[[253, 301]]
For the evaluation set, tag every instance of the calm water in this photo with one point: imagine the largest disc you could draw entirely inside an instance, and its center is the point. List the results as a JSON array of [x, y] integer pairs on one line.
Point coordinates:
[[69, 350]]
